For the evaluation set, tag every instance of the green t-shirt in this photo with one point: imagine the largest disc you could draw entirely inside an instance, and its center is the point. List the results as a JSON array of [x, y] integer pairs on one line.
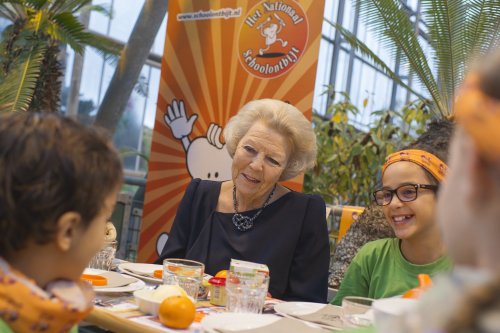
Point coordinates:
[[4, 328], [379, 270]]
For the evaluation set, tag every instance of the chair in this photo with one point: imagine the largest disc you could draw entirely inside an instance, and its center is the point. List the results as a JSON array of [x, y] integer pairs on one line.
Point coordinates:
[[349, 214], [340, 218]]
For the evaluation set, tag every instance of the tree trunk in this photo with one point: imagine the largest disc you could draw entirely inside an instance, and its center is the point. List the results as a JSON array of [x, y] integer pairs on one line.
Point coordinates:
[[76, 76], [132, 59]]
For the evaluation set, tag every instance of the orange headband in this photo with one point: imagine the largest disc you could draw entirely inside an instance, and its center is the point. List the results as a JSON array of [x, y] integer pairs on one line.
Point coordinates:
[[479, 115], [426, 160]]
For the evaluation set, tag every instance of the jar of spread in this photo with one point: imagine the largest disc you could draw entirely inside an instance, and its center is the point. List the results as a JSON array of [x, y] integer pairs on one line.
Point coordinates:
[[217, 291]]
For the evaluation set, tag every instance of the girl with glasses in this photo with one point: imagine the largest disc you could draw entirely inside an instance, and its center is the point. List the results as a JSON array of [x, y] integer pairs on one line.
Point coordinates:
[[468, 212], [410, 180]]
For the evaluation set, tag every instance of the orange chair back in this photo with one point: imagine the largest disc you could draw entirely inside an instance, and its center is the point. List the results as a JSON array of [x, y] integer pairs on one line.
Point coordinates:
[[349, 215]]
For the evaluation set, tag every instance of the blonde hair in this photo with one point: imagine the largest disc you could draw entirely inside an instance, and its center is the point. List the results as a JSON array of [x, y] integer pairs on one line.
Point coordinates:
[[286, 120]]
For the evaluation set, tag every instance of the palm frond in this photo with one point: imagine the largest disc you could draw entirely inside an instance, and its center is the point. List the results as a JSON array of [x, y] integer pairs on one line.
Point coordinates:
[[358, 45], [104, 46], [69, 6], [37, 4], [37, 20], [104, 10], [391, 24], [17, 87], [494, 43], [482, 27], [11, 10], [446, 22], [67, 29]]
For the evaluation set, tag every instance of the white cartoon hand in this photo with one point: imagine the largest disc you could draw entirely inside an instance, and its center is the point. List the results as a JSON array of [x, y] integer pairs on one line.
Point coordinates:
[[176, 119], [213, 135]]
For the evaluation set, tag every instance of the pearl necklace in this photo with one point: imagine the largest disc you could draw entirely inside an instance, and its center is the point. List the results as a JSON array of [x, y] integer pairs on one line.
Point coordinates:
[[242, 222]]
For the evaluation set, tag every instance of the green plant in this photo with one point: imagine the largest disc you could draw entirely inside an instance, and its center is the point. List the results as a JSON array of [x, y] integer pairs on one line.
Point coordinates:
[[457, 31], [30, 72], [350, 158]]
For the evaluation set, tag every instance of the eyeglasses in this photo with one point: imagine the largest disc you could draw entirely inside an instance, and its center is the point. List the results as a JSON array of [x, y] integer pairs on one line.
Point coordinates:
[[405, 193]]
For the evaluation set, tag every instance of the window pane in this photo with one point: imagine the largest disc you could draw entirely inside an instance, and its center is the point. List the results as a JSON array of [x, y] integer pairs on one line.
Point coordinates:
[[322, 77], [125, 13], [99, 22]]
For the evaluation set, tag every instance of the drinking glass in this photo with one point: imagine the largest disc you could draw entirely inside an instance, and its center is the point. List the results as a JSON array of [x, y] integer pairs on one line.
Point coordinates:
[[104, 257], [353, 310], [188, 274], [246, 293]]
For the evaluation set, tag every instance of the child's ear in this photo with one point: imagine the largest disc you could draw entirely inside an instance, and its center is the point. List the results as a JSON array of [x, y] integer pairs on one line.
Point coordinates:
[[67, 227]]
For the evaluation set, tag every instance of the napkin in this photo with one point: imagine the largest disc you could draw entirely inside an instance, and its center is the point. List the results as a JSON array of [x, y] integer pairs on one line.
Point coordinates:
[[115, 280], [283, 325], [329, 315]]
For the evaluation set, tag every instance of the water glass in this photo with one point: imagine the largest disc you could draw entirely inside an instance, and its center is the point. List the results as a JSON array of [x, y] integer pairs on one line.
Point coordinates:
[[104, 257], [353, 310], [246, 293], [187, 274]]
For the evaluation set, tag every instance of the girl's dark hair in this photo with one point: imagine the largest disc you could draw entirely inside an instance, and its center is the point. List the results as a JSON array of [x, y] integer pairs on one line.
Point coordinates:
[[50, 165], [435, 140]]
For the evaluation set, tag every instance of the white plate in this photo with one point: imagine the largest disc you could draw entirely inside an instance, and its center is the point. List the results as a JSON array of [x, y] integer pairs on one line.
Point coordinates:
[[141, 271], [136, 285], [290, 309], [236, 321], [145, 271]]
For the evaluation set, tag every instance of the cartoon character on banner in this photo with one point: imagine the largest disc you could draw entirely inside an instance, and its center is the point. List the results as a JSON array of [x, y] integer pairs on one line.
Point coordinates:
[[206, 157], [270, 32]]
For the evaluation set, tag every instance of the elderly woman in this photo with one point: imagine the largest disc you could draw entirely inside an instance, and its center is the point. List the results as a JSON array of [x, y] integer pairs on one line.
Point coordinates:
[[252, 217]]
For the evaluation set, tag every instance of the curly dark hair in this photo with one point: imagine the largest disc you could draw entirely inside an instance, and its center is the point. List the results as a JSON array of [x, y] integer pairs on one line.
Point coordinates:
[[370, 225], [50, 165], [435, 140]]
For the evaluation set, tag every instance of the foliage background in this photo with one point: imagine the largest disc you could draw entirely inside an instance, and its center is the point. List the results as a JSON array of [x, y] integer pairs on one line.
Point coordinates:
[[349, 157]]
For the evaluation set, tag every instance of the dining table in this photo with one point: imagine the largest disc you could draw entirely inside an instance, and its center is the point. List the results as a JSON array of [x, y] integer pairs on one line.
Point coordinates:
[[119, 312]]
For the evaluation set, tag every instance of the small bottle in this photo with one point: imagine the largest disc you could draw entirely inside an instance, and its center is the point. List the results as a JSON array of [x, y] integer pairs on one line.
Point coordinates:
[[217, 291]]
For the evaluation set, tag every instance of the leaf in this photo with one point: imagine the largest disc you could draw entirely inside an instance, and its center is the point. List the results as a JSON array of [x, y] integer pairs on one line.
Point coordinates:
[[356, 150], [376, 139], [16, 89], [365, 102], [338, 117]]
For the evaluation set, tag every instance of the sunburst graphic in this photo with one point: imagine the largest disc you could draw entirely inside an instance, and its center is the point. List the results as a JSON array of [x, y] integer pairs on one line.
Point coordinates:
[[201, 67]]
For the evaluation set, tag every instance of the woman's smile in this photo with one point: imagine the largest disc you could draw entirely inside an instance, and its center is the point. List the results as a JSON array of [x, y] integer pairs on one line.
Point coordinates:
[[250, 179]]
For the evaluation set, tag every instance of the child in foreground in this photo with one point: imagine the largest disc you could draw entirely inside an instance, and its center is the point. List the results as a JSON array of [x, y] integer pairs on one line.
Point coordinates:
[[410, 181], [58, 187], [469, 213]]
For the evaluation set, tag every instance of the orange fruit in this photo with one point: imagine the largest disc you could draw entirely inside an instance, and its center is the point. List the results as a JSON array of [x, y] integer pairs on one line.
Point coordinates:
[[424, 283], [158, 273], [221, 274], [173, 268], [177, 312], [413, 293], [95, 280]]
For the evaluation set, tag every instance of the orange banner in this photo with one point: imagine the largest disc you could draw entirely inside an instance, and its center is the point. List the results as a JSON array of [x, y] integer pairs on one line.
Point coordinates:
[[218, 56]]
